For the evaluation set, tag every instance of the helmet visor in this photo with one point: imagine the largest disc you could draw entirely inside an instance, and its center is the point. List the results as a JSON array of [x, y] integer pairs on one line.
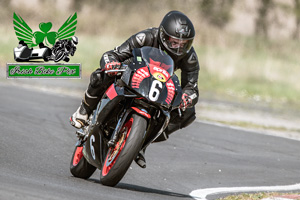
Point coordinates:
[[178, 46]]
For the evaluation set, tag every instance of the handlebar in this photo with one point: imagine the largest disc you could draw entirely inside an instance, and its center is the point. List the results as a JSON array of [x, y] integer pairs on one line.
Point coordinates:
[[122, 69]]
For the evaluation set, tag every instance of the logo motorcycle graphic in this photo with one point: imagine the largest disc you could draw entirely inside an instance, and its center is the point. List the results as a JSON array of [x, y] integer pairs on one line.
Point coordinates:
[[63, 41]]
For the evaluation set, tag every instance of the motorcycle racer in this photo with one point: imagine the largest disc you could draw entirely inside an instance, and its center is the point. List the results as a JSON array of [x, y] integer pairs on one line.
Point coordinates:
[[175, 36], [62, 48]]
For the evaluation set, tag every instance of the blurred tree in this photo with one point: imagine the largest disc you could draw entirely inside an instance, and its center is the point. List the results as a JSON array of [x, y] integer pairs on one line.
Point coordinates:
[[297, 13], [5, 13], [262, 24], [77, 5], [217, 12], [125, 3], [4, 2]]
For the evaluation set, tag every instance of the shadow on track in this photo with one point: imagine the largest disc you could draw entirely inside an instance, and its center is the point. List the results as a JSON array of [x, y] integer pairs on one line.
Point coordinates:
[[150, 190], [137, 188]]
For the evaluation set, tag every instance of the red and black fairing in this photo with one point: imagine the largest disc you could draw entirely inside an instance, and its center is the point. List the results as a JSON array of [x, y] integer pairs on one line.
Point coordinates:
[[104, 119], [148, 87], [152, 76]]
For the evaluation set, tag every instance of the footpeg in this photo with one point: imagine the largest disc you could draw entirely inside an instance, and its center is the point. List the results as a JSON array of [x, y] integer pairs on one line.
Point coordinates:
[[81, 134], [111, 143]]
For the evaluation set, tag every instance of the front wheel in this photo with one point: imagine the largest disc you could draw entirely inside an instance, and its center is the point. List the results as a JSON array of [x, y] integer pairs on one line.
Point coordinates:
[[79, 166], [119, 158], [59, 55]]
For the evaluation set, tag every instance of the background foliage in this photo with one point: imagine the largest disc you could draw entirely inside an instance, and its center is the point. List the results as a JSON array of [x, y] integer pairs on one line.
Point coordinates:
[[248, 50]]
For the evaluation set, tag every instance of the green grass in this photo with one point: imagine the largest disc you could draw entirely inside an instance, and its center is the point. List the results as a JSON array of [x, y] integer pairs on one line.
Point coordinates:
[[250, 68], [7, 42], [252, 125], [256, 196], [90, 50], [252, 88]]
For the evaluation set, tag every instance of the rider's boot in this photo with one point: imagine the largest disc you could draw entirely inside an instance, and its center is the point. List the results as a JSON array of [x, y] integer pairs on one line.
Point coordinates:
[[172, 127], [80, 117], [93, 94], [140, 159]]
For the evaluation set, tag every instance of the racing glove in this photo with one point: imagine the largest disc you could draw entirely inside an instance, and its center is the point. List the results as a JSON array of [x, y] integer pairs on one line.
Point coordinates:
[[112, 65], [186, 101]]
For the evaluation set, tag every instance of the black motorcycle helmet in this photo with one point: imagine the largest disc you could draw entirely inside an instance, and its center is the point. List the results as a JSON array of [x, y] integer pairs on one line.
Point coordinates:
[[176, 33]]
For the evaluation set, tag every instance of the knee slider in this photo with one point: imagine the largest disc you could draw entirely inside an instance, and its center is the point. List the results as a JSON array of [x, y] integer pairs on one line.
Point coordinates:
[[96, 79]]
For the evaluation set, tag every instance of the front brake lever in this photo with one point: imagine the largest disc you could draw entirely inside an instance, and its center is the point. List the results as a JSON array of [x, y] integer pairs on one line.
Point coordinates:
[[121, 69]]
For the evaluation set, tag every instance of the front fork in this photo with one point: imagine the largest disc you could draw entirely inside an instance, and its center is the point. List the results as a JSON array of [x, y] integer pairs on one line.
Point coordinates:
[[115, 134]]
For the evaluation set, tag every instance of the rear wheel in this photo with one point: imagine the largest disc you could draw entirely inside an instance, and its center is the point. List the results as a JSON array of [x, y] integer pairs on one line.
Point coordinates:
[[119, 158], [79, 166]]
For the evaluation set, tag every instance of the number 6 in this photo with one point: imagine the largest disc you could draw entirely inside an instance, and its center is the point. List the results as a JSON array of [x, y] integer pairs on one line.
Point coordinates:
[[92, 139], [154, 91]]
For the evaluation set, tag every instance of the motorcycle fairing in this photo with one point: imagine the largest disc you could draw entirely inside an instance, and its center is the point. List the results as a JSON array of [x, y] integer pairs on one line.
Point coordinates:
[[112, 97], [107, 108], [91, 149], [178, 92], [111, 92], [115, 99], [109, 102], [152, 78]]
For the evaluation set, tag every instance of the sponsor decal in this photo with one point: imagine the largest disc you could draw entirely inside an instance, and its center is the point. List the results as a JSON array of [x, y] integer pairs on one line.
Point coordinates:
[[159, 76], [157, 69], [106, 59], [193, 96], [171, 91], [159, 73]]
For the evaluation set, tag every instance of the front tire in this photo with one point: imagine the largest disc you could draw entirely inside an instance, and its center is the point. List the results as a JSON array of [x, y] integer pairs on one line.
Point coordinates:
[[79, 166], [119, 158], [59, 56]]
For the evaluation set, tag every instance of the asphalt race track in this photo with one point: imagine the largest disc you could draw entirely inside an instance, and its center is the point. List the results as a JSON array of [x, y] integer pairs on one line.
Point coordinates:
[[37, 143]]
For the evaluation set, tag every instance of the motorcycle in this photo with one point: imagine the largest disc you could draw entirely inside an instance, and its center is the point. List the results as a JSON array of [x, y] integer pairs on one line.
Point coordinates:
[[132, 113]]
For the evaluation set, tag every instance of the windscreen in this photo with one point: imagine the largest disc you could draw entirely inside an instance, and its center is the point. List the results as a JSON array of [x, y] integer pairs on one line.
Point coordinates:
[[161, 65]]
